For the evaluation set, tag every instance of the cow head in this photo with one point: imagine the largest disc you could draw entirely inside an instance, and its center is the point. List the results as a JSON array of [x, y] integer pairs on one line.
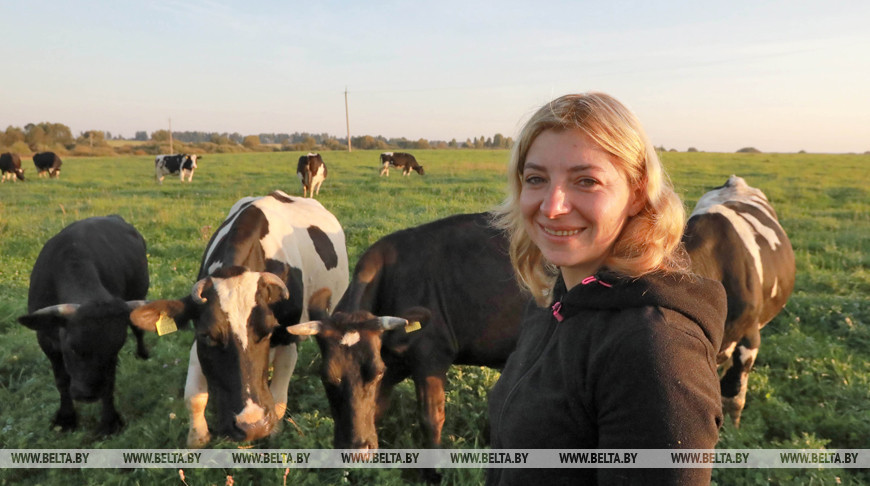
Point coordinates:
[[90, 336], [190, 161], [419, 169], [351, 366], [233, 321]]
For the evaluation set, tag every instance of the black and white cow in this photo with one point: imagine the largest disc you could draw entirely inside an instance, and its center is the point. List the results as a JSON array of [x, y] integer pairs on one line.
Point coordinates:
[[47, 164], [10, 166], [84, 284], [454, 276], [399, 160], [256, 277], [733, 236], [182, 164], [311, 171]]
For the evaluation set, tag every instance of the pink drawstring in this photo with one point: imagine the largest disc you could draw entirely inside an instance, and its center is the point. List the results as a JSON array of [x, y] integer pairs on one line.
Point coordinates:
[[588, 280], [556, 308]]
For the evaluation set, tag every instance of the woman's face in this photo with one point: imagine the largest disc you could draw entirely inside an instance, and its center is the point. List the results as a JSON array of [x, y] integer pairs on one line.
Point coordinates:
[[574, 202]]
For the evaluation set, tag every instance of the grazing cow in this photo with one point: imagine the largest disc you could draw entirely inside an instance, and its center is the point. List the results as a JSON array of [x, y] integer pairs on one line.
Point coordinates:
[[399, 160], [182, 164], [10, 166], [454, 276], [311, 171], [256, 277], [733, 236], [84, 284], [47, 163]]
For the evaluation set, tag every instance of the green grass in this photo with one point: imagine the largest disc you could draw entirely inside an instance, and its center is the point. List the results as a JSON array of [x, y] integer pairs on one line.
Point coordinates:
[[810, 388]]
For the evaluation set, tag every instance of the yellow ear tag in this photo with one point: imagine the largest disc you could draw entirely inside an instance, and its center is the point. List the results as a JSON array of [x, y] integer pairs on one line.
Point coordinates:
[[165, 325], [412, 326]]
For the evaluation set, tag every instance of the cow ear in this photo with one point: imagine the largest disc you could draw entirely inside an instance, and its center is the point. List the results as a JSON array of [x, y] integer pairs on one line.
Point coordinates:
[[275, 289], [417, 314], [146, 316]]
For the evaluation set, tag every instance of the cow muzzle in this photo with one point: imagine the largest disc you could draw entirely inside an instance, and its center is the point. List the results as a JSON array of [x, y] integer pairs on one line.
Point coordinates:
[[255, 422]]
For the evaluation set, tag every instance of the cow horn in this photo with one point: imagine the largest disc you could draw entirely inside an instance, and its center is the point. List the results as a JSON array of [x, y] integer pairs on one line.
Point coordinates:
[[271, 278], [389, 323], [196, 291], [58, 310], [135, 304], [309, 328]]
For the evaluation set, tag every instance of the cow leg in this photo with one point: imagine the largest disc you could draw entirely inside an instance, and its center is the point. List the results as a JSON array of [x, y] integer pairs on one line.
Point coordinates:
[[735, 380], [65, 417], [110, 419], [392, 377], [283, 364], [385, 170], [196, 398], [141, 350], [431, 400]]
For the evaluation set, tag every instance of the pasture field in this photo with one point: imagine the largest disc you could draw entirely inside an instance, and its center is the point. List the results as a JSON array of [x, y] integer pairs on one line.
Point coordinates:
[[810, 387]]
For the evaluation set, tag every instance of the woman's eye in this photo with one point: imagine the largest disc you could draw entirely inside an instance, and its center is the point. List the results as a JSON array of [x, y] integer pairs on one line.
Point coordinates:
[[534, 180], [586, 182]]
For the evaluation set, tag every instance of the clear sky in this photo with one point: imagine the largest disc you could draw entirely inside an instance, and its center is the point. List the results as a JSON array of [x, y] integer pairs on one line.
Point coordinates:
[[780, 76]]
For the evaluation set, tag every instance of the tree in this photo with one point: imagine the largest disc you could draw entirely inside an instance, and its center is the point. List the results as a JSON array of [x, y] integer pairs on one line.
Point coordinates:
[[251, 141], [498, 141], [141, 136], [160, 136]]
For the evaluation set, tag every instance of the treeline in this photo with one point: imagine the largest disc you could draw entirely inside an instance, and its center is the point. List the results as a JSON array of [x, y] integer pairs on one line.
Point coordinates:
[[57, 137]]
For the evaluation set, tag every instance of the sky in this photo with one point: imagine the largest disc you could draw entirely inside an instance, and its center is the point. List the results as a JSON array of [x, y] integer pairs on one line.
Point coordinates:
[[780, 76]]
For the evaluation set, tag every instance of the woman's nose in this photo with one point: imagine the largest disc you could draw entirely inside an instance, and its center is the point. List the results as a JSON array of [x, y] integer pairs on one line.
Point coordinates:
[[555, 202]]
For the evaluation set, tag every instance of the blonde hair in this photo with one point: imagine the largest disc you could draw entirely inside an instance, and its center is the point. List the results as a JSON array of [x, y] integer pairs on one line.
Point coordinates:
[[649, 241]]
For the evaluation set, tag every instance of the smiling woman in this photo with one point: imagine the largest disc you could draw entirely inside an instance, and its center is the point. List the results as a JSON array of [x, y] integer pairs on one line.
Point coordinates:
[[625, 357]]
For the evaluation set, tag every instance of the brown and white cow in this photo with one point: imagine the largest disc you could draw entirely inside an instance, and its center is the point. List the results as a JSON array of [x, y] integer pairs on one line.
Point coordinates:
[[182, 164], [47, 164], [10, 166], [399, 160], [311, 171], [256, 277], [84, 284], [733, 236], [454, 276]]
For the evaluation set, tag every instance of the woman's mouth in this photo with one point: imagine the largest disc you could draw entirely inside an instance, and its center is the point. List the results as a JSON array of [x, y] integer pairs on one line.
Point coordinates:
[[560, 232]]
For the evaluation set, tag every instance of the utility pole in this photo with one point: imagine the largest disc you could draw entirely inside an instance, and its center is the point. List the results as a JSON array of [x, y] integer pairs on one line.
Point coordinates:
[[170, 137], [347, 120]]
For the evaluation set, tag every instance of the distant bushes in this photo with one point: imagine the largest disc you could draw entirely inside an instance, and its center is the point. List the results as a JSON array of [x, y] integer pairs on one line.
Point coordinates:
[[749, 150]]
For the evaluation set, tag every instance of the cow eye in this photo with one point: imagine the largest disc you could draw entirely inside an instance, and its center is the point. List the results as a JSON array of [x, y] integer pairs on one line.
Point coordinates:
[[208, 340]]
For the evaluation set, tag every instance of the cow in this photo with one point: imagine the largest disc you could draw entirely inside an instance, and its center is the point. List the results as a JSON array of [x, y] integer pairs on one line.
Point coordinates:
[[733, 236], [311, 171], [47, 164], [84, 284], [256, 277], [454, 277], [10, 166], [182, 164], [399, 160]]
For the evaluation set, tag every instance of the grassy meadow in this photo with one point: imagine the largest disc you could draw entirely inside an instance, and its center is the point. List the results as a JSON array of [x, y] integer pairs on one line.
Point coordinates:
[[810, 387]]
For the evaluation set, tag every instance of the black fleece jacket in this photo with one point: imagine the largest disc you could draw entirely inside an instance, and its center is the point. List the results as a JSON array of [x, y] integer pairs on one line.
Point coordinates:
[[631, 365]]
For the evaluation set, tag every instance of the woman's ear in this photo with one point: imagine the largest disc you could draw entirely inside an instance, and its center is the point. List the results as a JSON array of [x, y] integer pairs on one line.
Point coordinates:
[[638, 199]]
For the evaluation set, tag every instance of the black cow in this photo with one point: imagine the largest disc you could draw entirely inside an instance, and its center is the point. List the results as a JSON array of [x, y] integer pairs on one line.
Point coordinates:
[[256, 277], [10, 166], [311, 171], [84, 284], [454, 276], [47, 163], [399, 160], [733, 236], [182, 164]]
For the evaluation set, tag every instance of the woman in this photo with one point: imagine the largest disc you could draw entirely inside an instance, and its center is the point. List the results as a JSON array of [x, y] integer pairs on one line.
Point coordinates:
[[620, 352]]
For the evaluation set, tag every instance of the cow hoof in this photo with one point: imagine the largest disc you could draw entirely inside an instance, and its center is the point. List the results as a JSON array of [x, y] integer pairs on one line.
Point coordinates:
[[110, 427], [65, 421], [197, 441], [430, 476], [142, 353]]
